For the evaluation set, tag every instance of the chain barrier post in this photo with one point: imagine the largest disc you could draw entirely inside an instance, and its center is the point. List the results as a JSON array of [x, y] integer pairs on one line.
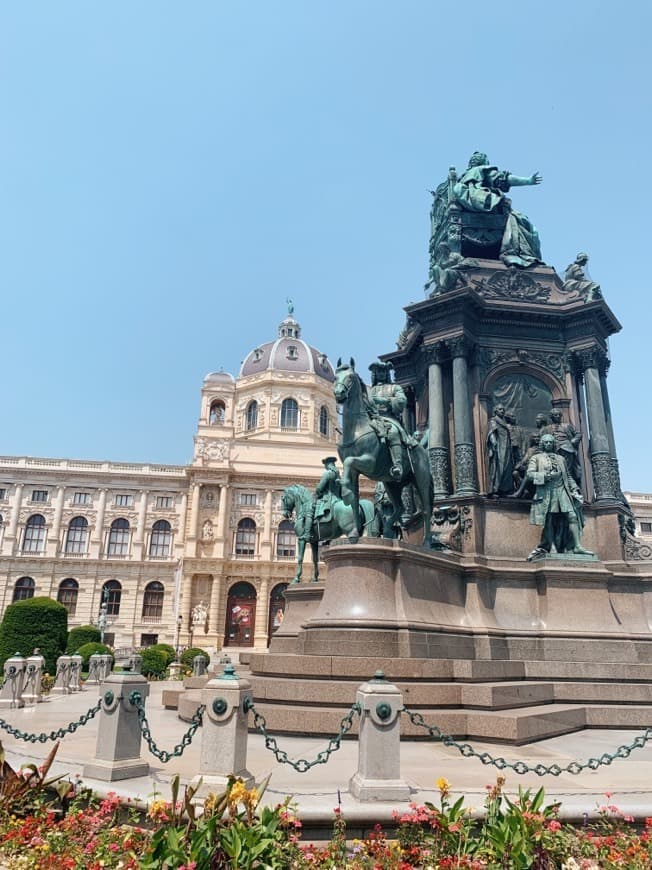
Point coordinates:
[[117, 754], [74, 678], [199, 666], [223, 750], [106, 664], [34, 665], [14, 679], [62, 678], [378, 777], [93, 678]]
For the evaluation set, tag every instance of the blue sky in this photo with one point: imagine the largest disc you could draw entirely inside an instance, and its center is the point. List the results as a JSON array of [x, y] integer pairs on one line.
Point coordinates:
[[170, 172]]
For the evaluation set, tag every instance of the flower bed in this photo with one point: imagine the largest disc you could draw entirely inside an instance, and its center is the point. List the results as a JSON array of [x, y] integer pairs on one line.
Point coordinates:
[[44, 825]]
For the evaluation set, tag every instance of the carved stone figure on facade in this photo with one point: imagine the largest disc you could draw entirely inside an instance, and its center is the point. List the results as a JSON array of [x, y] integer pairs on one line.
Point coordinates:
[[482, 188], [447, 269], [499, 454], [199, 615], [576, 280], [207, 531], [567, 440], [557, 503], [388, 400]]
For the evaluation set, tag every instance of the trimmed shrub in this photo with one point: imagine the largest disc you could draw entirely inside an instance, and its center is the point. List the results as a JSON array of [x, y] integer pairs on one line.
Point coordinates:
[[36, 622], [154, 662], [188, 655], [91, 649], [166, 649], [81, 635]]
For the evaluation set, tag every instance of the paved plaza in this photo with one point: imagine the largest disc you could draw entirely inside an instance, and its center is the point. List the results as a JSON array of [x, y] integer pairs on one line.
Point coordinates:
[[629, 781]]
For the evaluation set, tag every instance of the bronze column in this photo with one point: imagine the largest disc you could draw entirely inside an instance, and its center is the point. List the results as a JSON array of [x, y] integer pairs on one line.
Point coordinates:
[[465, 476]]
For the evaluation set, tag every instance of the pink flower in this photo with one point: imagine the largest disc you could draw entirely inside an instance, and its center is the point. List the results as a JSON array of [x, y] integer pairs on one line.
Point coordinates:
[[554, 825]]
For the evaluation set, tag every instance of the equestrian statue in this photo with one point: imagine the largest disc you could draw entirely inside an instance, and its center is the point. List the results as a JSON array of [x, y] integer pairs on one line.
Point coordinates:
[[375, 443], [324, 516]]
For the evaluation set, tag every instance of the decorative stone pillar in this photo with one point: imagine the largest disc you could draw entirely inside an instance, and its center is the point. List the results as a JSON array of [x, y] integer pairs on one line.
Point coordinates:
[[94, 670], [193, 520], [378, 777], [437, 440], [266, 541], [465, 474], [97, 535], [34, 666], [222, 538], [262, 615], [13, 520], [139, 540], [615, 471], [14, 678], [590, 361], [74, 673], [53, 543], [62, 678]]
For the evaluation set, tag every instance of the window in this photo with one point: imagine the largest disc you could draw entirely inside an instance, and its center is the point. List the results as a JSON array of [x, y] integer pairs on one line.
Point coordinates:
[[248, 498], [67, 595], [286, 540], [153, 602], [217, 413], [148, 640], [81, 498], [111, 594], [252, 415], [159, 543], [289, 414], [646, 528], [3, 493], [118, 538], [123, 500], [163, 502], [245, 538], [40, 495], [292, 353], [34, 540], [77, 537], [23, 589], [323, 420]]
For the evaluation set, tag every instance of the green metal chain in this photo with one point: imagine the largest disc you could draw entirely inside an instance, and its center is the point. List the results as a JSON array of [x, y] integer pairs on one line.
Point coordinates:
[[520, 767], [163, 755], [59, 734], [302, 765]]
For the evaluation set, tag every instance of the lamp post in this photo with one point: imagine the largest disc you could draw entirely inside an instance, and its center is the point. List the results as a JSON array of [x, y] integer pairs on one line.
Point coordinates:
[[102, 618], [178, 641]]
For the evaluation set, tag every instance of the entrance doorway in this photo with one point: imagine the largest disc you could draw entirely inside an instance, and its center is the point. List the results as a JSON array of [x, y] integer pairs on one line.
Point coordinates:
[[276, 609], [240, 615]]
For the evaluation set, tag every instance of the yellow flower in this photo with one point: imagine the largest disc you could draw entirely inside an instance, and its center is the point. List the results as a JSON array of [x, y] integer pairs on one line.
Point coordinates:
[[237, 793], [443, 785]]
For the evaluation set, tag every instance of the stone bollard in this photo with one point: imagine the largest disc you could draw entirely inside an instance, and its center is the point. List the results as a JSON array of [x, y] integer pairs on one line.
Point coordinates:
[[75, 672], [136, 664], [62, 679], [199, 666], [106, 662], [117, 753], [223, 749], [14, 677], [34, 666], [378, 777], [94, 670], [175, 670]]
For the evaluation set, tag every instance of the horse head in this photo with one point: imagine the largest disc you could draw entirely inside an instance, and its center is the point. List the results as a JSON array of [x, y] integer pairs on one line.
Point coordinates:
[[345, 377], [288, 502]]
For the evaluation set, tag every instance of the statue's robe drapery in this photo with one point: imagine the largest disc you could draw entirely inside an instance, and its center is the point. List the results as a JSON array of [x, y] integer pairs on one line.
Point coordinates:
[[483, 188], [501, 458]]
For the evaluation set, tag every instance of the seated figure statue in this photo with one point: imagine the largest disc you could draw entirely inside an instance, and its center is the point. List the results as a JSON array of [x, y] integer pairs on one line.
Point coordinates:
[[577, 281]]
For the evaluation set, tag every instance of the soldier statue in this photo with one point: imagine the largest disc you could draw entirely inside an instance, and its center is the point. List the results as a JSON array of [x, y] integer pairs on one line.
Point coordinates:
[[329, 487], [388, 402], [567, 440]]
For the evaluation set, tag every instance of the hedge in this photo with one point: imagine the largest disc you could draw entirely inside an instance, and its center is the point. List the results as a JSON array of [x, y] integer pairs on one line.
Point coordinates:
[[168, 651], [188, 655], [36, 622], [81, 635], [154, 662]]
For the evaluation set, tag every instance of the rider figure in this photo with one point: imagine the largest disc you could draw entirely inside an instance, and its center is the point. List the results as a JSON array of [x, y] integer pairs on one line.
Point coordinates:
[[389, 401], [329, 486]]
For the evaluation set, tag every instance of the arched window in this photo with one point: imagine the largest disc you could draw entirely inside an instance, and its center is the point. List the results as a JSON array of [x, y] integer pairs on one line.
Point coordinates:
[[286, 540], [323, 420], [252, 415], [159, 543], [112, 593], [118, 538], [34, 540], [245, 537], [240, 615], [77, 536], [67, 595], [23, 589], [217, 413], [153, 602], [289, 414]]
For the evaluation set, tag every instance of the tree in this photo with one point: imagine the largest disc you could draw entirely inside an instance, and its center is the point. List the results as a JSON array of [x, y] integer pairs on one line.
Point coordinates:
[[34, 623]]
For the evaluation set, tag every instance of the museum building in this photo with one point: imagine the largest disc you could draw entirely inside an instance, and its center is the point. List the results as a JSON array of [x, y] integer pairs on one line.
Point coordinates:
[[159, 541]]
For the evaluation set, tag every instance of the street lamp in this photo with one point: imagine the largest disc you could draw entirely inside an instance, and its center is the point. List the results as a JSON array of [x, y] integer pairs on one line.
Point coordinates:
[[102, 618], [178, 641]]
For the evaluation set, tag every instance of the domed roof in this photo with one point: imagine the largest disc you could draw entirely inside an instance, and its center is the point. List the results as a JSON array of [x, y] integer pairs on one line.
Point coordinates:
[[219, 378], [289, 353]]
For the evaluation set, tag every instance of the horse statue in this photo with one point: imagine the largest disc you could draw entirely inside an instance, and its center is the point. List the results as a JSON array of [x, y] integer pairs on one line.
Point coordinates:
[[363, 452], [335, 519]]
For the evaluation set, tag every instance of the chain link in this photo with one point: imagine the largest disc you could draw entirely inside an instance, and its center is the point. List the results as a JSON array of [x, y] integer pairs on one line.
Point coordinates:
[[302, 765], [59, 734], [520, 767], [162, 754]]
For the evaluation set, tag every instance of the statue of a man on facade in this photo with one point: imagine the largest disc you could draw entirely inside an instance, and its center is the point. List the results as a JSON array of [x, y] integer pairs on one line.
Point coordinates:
[[576, 279], [500, 455], [388, 401], [557, 503]]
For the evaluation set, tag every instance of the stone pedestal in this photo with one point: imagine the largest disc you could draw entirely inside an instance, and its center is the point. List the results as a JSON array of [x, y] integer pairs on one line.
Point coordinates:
[[34, 665], [301, 600], [14, 678], [378, 777], [117, 755], [62, 678]]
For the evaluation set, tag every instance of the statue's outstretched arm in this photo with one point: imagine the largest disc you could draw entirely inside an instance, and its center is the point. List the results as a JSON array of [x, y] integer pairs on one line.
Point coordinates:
[[524, 181]]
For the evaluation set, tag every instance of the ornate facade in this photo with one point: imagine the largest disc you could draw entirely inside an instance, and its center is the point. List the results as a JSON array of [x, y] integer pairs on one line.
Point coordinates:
[[158, 540]]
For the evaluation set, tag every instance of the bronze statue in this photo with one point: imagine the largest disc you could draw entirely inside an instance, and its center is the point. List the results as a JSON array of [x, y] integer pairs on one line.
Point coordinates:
[[567, 441], [389, 400], [557, 503], [325, 521], [577, 281], [500, 455], [366, 449], [524, 488], [447, 269], [329, 487]]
